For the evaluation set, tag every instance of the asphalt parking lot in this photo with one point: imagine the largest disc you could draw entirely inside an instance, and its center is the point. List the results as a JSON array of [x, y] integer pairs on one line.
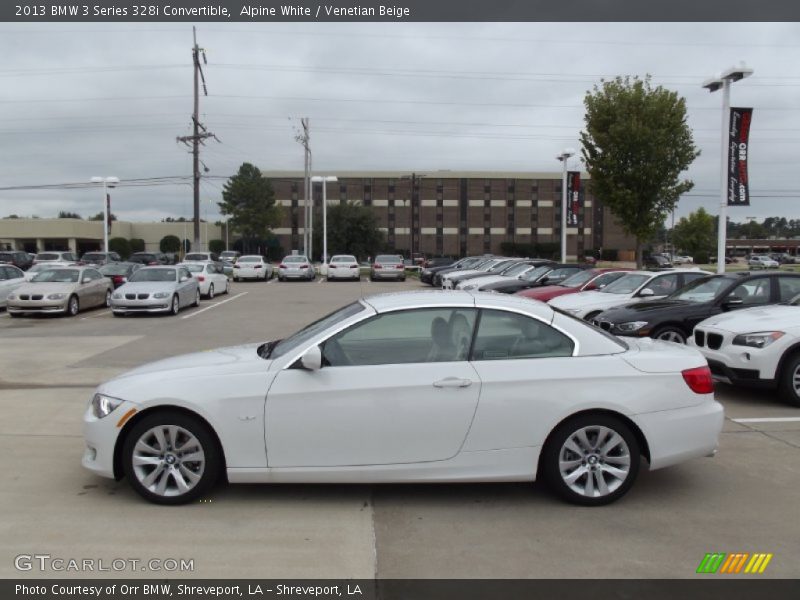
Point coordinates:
[[743, 500]]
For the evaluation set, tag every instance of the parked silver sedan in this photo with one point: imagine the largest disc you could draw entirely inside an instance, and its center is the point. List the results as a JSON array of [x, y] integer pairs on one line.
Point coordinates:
[[156, 289], [64, 290], [388, 266], [296, 266]]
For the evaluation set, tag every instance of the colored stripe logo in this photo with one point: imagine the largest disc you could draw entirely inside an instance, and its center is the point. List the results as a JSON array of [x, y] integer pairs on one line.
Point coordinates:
[[734, 563]]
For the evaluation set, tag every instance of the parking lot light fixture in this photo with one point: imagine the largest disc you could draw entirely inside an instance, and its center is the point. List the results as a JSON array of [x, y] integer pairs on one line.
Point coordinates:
[[108, 182], [565, 154], [723, 82], [324, 181]]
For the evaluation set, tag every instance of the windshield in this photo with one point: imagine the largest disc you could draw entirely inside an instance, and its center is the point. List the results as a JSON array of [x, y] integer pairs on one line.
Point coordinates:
[[48, 257], [700, 290], [295, 259], [310, 331], [578, 279], [501, 266], [94, 256], [39, 267], [535, 273], [113, 269], [249, 259], [626, 285], [58, 276], [153, 275], [196, 257], [517, 269]]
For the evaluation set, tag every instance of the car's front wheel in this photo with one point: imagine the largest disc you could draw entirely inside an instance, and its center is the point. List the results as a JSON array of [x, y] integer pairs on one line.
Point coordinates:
[[73, 306], [591, 460], [171, 458], [670, 334], [175, 307], [790, 380], [196, 298]]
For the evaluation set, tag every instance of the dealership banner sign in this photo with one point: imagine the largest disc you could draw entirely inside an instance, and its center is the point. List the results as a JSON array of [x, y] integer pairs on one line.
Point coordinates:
[[738, 141], [573, 197]]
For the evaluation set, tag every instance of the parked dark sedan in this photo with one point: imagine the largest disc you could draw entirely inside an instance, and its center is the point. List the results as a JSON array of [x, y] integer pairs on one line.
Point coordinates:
[[100, 258], [119, 272], [18, 258], [673, 318], [546, 274], [149, 258], [434, 276]]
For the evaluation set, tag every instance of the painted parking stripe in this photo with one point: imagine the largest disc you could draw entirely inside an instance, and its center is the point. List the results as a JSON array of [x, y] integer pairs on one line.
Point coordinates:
[[202, 310], [768, 420], [100, 314]]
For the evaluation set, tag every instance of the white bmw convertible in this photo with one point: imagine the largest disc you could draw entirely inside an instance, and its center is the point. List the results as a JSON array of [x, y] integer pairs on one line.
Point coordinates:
[[410, 387]]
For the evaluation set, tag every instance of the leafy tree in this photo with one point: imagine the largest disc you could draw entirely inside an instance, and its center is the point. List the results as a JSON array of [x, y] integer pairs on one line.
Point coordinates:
[[170, 243], [695, 234], [635, 146], [121, 246], [136, 244], [12, 217], [100, 216], [352, 229], [249, 199], [216, 246], [63, 214]]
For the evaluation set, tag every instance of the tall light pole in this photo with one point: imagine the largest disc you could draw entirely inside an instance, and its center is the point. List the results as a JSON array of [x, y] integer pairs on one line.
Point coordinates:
[[724, 82], [565, 154], [324, 181], [108, 182]]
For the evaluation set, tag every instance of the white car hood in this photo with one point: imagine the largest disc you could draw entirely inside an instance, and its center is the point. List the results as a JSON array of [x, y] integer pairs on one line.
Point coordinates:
[[749, 320]]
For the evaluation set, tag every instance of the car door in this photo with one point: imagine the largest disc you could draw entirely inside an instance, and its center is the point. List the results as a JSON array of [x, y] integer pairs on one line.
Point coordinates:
[[186, 289], [395, 388]]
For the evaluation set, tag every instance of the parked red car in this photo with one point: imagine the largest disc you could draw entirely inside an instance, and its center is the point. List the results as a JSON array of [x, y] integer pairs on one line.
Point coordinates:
[[589, 279]]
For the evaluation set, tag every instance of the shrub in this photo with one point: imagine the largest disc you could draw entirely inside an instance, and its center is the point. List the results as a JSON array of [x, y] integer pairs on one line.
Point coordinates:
[[121, 246], [136, 244], [216, 246], [170, 243]]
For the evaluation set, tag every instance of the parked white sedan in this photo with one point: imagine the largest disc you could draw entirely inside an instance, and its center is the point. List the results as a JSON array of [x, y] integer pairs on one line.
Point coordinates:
[[252, 266], [755, 347], [343, 266], [210, 278], [410, 387]]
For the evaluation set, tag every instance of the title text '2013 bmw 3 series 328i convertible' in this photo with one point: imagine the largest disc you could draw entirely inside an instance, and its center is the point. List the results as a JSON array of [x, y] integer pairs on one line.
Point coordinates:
[[410, 387]]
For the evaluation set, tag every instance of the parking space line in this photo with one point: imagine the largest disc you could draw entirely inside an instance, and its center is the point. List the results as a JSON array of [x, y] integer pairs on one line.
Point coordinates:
[[100, 314], [197, 312], [768, 420], [320, 280]]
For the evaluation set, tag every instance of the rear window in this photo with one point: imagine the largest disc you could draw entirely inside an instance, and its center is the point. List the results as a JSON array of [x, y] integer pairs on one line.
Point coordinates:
[[196, 257], [295, 259], [343, 259], [48, 256], [387, 258], [250, 259]]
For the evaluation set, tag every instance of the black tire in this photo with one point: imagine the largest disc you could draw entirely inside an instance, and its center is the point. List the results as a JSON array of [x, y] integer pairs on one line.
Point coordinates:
[[211, 292], [592, 464], [196, 298], [789, 373], [211, 465], [14, 315], [281, 278], [236, 279], [73, 306], [670, 334], [117, 314], [175, 305], [108, 299]]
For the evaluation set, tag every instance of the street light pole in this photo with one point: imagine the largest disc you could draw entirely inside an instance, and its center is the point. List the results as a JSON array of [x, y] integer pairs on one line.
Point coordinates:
[[724, 82], [565, 154], [324, 181], [107, 182]]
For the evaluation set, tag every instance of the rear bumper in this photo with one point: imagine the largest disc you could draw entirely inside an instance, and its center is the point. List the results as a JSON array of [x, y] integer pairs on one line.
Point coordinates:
[[398, 274], [250, 273], [677, 435]]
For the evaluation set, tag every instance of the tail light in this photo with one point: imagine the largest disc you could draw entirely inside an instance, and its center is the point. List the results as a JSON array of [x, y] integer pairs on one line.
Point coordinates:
[[353, 266], [256, 266], [281, 266], [399, 266], [200, 278], [377, 266], [331, 266], [118, 279], [303, 267], [152, 262], [699, 380], [236, 266]]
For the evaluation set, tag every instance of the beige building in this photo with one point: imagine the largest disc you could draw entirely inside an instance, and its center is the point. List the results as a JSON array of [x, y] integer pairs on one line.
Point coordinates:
[[37, 235]]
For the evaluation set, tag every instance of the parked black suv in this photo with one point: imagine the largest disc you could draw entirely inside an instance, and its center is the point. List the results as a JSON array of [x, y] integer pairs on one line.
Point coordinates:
[[18, 258], [673, 318], [149, 258]]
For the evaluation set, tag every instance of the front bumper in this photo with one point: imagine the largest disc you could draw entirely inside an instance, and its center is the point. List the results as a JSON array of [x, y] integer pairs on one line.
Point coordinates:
[[151, 305], [739, 365], [100, 436], [37, 306], [677, 435]]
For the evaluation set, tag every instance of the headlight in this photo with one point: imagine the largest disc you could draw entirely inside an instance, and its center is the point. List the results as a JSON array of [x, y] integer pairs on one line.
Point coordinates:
[[761, 339], [102, 406], [630, 326], [11, 297], [161, 295], [116, 296], [56, 296]]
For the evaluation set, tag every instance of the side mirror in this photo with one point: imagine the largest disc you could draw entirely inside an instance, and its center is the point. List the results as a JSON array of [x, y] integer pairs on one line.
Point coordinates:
[[184, 278], [312, 359], [732, 301], [646, 292], [86, 280]]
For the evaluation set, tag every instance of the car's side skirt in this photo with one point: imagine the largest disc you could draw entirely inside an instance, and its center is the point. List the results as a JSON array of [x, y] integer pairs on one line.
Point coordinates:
[[514, 464]]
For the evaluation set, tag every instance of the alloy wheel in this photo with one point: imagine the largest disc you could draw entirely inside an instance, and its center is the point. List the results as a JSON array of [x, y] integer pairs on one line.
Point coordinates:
[[594, 461], [671, 335], [73, 307], [168, 460], [211, 291]]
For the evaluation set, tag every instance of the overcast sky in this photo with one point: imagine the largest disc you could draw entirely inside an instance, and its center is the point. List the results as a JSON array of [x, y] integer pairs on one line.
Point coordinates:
[[83, 99]]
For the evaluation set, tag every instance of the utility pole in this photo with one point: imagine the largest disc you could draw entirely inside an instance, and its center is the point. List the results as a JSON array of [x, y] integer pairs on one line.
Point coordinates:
[[414, 215], [303, 139], [197, 136]]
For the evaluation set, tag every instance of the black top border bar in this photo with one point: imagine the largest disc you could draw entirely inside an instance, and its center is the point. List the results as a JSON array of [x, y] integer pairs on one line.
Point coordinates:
[[348, 11]]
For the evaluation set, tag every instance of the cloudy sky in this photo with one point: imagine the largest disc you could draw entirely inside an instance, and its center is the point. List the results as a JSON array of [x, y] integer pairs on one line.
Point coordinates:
[[78, 100]]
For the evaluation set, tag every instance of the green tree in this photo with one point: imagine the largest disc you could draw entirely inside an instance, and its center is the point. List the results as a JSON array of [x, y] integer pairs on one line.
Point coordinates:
[[137, 245], [170, 243], [635, 146], [352, 229], [695, 234], [63, 214], [249, 199], [216, 246], [121, 246], [100, 216]]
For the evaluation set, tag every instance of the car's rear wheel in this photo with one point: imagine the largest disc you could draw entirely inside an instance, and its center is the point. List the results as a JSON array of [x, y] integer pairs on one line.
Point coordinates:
[[73, 306], [670, 334], [228, 286], [591, 460], [196, 298], [211, 291], [171, 458], [790, 380]]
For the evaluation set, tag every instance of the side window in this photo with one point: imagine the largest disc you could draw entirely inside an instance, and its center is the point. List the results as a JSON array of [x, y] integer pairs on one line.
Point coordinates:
[[183, 273], [409, 336], [664, 285], [5, 273], [789, 288], [753, 292], [504, 335]]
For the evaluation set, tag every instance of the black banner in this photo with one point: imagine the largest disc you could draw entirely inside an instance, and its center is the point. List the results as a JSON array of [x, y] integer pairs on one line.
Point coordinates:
[[738, 142], [574, 197]]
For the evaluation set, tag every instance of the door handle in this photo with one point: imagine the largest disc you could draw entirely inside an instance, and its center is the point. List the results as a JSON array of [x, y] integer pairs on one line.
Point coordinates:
[[452, 382]]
